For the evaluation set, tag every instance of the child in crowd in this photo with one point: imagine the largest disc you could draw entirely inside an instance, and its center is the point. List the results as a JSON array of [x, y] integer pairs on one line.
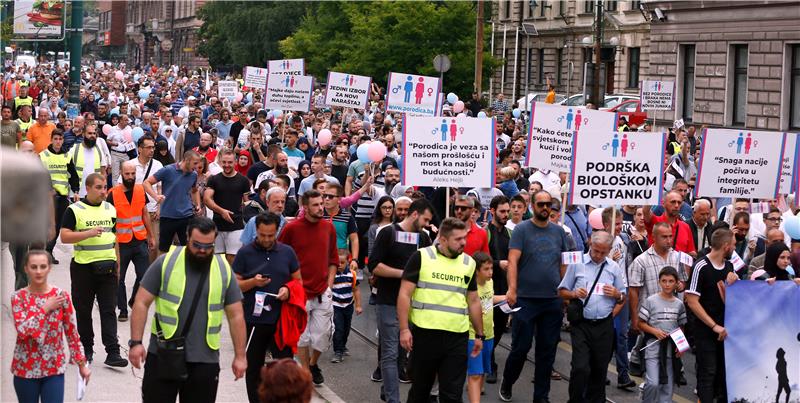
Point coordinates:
[[478, 367], [659, 315], [345, 294], [507, 184]]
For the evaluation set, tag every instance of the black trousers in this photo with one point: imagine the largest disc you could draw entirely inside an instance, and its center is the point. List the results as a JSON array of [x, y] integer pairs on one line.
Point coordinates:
[[168, 228], [442, 355], [86, 286], [201, 387], [592, 346], [261, 341], [710, 355], [500, 326], [362, 224], [140, 257], [61, 203]]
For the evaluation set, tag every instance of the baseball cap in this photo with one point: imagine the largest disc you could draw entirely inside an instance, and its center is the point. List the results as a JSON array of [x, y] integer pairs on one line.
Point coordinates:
[[191, 98]]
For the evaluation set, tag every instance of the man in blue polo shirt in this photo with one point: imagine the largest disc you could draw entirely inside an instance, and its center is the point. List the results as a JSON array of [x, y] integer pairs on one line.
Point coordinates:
[[262, 269]]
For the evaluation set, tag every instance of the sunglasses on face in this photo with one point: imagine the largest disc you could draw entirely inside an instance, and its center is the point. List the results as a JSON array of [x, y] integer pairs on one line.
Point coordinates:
[[328, 197], [202, 246], [459, 208], [543, 205]]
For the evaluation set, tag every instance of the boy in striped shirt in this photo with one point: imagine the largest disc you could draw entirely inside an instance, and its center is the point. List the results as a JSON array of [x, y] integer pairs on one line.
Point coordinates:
[[345, 293]]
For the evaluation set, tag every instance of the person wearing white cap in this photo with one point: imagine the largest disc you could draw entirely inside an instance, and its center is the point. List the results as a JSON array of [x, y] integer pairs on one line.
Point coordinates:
[[190, 103]]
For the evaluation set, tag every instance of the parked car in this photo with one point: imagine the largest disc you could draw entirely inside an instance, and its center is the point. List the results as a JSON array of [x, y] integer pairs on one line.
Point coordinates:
[[632, 111], [611, 101], [577, 100]]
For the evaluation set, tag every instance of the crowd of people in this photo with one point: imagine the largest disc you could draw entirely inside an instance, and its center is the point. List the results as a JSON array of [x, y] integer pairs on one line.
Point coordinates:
[[229, 212]]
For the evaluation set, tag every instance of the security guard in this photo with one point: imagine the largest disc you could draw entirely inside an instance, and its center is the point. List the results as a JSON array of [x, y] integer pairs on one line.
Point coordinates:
[[86, 155], [89, 224], [439, 296], [23, 98], [191, 287], [63, 178]]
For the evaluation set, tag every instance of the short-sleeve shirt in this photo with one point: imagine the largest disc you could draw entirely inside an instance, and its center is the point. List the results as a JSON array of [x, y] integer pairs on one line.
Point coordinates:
[[345, 224], [8, 132], [582, 275], [683, 242], [645, 268], [662, 314], [539, 266], [393, 249], [176, 186], [486, 295], [228, 194], [279, 263], [197, 349], [704, 284]]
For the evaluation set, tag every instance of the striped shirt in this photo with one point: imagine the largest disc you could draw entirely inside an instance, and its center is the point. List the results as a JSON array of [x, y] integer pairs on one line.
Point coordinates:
[[645, 268], [342, 289]]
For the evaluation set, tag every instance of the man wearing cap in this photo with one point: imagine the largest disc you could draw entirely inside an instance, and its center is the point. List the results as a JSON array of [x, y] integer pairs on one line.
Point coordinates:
[[191, 101]]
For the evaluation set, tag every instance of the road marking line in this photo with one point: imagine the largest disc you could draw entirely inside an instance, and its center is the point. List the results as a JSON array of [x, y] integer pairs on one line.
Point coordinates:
[[326, 393]]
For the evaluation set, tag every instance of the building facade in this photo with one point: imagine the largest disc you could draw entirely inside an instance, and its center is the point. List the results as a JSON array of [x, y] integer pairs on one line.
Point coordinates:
[[735, 64], [164, 32], [562, 43], [110, 37]]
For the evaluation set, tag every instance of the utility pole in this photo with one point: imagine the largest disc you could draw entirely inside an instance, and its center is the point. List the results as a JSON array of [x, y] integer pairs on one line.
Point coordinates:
[[479, 48], [75, 48], [598, 39], [516, 52]]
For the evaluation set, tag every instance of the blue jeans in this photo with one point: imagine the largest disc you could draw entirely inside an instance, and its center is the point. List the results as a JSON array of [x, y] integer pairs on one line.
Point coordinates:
[[540, 317], [49, 389], [140, 257], [342, 317], [621, 342], [389, 330]]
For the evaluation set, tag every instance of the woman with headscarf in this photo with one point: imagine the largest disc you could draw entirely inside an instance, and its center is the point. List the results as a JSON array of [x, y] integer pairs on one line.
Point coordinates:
[[162, 153], [776, 261], [243, 162], [304, 146], [303, 171]]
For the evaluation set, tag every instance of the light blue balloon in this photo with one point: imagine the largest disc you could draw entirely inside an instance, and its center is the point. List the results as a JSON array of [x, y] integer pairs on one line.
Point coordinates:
[[137, 133], [516, 112], [792, 227], [363, 153], [144, 93], [114, 111], [452, 98], [277, 112], [250, 97], [481, 114]]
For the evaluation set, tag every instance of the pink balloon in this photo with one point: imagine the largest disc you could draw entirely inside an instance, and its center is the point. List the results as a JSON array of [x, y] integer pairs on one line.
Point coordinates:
[[185, 80], [119, 75], [461, 115], [458, 106], [324, 138], [106, 129], [376, 151], [126, 132], [596, 218], [238, 97]]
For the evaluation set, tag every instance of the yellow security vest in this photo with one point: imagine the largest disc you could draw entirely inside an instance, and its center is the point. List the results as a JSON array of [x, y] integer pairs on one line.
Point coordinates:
[[23, 101], [56, 164], [439, 301], [78, 159], [96, 248], [173, 289]]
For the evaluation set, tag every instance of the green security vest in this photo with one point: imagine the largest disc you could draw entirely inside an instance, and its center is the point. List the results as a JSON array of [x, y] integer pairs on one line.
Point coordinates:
[[439, 301], [56, 164], [78, 159], [96, 248], [173, 289]]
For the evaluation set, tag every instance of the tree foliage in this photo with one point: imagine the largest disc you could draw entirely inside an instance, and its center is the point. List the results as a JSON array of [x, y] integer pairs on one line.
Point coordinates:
[[246, 33], [374, 38]]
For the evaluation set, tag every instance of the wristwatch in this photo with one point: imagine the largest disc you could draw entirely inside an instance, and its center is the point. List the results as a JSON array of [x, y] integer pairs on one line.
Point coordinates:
[[132, 343], [480, 336]]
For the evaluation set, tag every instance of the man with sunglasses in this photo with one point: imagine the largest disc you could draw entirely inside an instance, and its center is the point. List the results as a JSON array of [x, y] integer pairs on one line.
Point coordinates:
[[477, 240], [534, 273]]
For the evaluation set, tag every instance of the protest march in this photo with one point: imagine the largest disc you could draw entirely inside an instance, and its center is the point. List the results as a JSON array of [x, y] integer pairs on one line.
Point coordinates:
[[256, 218]]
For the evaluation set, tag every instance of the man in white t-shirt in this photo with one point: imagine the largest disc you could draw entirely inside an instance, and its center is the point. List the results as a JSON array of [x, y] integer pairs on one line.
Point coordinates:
[[546, 177]]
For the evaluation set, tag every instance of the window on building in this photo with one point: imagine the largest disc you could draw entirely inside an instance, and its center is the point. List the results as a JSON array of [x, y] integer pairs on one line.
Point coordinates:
[[506, 9], [633, 67], [541, 8], [589, 7], [635, 4], [610, 5], [540, 59], [687, 89], [794, 89], [739, 85], [559, 64], [528, 65], [562, 7]]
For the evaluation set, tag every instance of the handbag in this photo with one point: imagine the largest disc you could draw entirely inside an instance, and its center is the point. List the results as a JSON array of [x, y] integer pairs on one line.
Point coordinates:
[[172, 352], [104, 267], [575, 306]]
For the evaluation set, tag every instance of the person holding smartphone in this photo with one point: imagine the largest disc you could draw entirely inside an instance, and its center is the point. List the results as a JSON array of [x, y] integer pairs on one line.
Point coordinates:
[[262, 268]]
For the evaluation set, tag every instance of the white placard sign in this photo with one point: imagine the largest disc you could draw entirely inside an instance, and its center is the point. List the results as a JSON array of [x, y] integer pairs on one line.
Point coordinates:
[[615, 168], [552, 129], [456, 152], [294, 67], [740, 163], [657, 95], [227, 89], [347, 90], [789, 162], [289, 92], [412, 94], [255, 77]]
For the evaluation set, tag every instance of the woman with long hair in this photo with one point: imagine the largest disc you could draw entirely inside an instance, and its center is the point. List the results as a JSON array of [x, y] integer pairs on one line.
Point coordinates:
[[43, 315]]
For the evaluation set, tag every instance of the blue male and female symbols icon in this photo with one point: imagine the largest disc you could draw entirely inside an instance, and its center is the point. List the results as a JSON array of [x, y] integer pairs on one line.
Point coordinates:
[[419, 90], [622, 145], [453, 129], [569, 117], [747, 142]]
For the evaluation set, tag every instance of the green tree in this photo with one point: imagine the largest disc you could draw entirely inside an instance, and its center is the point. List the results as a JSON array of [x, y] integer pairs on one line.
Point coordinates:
[[374, 38], [246, 33]]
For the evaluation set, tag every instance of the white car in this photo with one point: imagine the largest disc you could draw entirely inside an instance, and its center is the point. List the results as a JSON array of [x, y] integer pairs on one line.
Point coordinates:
[[611, 101]]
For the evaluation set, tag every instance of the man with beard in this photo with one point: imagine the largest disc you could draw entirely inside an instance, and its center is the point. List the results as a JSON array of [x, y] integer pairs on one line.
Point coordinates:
[[89, 224], [225, 194], [391, 177], [281, 168], [147, 166], [270, 200], [439, 296], [317, 172], [9, 129], [339, 162], [683, 241], [477, 240], [134, 234], [102, 117], [63, 178], [393, 246], [705, 297], [499, 238], [89, 155], [191, 287], [401, 207], [264, 266], [314, 241], [188, 138], [180, 199]]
